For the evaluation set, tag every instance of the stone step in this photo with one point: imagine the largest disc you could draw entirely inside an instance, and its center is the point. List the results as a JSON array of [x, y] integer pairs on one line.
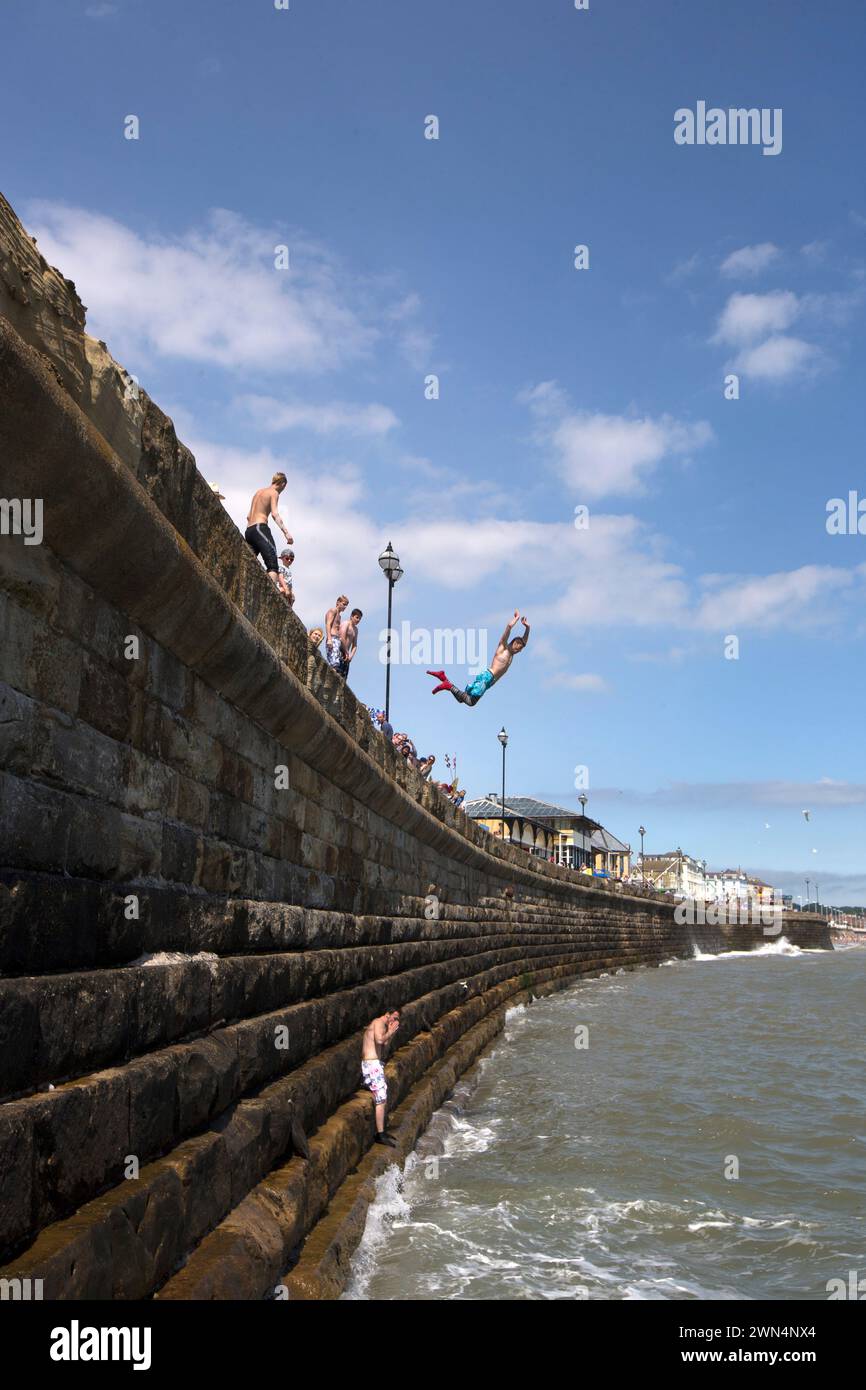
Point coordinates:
[[60, 1026], [245, 1254], [111, 1239], [56, 923], [321, 1268], [64, 1146]]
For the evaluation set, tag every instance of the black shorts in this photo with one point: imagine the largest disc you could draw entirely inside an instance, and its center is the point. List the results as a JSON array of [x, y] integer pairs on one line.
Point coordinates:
[[259, 539]]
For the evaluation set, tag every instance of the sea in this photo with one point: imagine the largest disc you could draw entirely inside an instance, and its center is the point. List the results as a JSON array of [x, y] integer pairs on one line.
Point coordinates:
[[693, 1131]]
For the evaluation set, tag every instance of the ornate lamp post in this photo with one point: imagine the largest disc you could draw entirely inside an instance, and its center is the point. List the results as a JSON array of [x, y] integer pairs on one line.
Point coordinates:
[[390, 565], [503, 739], [641, 830], [808, 881]]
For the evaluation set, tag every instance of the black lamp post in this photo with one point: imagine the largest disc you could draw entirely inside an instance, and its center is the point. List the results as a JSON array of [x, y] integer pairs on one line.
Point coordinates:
[[807, 893], [503, 739], [390, 565], [641, 830], [583, 800]]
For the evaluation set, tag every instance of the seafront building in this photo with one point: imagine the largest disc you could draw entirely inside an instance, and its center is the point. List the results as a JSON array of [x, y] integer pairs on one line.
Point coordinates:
[[576, 840], [568, 837], [687, 877], [512, 824], [676, 872], [734, 885]]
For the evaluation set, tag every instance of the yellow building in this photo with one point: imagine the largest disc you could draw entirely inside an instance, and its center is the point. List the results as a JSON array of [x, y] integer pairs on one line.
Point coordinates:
[[568, 837], [519, 828]]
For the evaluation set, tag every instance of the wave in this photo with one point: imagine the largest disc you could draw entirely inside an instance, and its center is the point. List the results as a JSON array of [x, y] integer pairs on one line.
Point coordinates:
[[388, 1206], [780, 947]]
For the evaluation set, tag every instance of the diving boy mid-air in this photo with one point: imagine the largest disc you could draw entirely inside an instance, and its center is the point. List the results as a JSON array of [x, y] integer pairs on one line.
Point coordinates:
[[502, 659]]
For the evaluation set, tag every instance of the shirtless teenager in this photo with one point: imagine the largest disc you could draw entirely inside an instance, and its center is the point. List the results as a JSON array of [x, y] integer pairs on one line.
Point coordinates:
[[265, 504], [333, 634], [377, 1035], [349, 637], [502, 659]]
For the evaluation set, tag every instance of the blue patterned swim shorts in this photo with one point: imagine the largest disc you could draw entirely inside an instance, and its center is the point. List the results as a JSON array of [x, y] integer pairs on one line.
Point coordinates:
[[480, 684]]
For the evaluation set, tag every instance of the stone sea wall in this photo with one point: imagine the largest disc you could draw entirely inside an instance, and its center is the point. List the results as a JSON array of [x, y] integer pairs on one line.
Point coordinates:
[[213, 872]]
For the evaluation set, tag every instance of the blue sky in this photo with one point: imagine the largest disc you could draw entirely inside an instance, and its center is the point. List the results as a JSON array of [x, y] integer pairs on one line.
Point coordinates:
[[558, 388]]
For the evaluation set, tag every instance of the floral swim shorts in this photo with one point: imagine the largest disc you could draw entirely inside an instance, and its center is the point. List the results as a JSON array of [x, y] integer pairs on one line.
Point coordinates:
[[335, 656], [374, 1079]]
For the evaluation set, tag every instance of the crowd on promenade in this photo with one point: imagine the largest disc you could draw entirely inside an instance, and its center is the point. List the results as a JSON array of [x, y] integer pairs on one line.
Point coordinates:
[[406, 749]]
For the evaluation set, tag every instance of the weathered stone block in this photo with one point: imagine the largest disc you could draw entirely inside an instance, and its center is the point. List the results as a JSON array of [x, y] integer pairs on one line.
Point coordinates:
[[207, 1081], [18, 730], [16, 1167], [103, 697], [182, 853], [139, 848], [81, 1136]]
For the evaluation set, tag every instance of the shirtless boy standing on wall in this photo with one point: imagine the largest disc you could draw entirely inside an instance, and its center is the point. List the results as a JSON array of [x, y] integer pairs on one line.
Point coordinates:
[[377, 1035], [266, 504], [334, 634], [349, 638], [502, 658]]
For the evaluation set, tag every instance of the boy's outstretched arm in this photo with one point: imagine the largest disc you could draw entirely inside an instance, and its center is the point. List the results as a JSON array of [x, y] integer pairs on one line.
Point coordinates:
[[508, 627]]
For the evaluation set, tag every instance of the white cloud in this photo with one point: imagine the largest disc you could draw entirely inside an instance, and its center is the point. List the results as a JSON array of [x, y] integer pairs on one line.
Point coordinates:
[[274, 416], [750, 260], [454, 549], [756, 326], [489, 562], [604, 455], [791, 598], [778, 358], [210, 295], [747, 317]]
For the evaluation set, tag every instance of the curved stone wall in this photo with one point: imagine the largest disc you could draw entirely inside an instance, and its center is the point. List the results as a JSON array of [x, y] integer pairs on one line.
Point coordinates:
[[189, 943]]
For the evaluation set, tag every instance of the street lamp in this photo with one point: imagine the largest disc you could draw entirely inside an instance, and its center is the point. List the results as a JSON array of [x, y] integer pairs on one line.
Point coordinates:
[[390, 566], [817, 898], [641, 830], [503, 739], [807, 894], [583, 800]]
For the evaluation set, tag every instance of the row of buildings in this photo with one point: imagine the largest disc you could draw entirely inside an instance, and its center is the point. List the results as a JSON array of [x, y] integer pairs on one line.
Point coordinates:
[[686, 877], [576, 840]]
